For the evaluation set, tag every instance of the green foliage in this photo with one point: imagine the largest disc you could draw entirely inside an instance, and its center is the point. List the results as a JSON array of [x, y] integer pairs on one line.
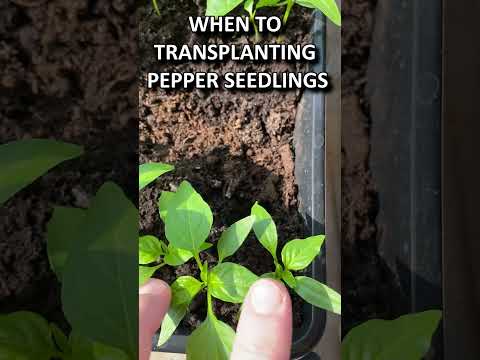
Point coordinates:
[[265, 229], [230, 282], [212, 340], [102, 248], [233, 237], [405, 338], [86, 253], [188, 221], [24, 161], [296, 255], [25, 335], [318, 294], [223, 7], [150, 172]]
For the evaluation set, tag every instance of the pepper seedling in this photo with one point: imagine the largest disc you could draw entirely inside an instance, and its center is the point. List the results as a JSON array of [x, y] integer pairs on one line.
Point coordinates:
[[188, 221], [297, 255]]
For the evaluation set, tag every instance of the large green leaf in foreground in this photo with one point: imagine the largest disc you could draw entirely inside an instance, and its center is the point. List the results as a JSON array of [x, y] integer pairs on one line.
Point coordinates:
[[25, 335], [100, 286], [406, 338], [21, 162]]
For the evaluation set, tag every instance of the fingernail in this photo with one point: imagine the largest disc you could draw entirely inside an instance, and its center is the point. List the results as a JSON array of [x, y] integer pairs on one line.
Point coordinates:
[[153, 287], [266, 297]]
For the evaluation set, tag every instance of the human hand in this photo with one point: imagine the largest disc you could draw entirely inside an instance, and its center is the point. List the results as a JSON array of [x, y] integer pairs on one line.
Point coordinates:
[[153, 302], [264, 331]]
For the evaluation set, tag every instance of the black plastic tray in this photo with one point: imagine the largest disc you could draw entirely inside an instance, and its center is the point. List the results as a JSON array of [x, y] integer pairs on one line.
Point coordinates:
[[309, 172]]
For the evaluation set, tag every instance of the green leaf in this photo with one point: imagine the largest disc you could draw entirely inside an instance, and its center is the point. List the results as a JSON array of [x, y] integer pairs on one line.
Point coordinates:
[[212, 340], [299, 253], [221, 7], [189, 219], [149, 249], [230, 282], [24, 161], [164, 202], [318, 294], [145, 273], [64, 222], [327, 7], [405, 338], [151, 171], [289, 279], [184, 289], [233, 237], [25, 335], [99, 292], [85, 349], [177, 257], [265, 229], [266, 3]]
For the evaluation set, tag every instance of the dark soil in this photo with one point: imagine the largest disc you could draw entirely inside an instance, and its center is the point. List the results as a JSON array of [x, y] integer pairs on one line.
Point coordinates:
[[234, 147], [66, 74], [368, 285]]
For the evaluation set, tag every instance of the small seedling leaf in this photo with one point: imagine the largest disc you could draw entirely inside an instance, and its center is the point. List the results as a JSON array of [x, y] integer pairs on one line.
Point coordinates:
[[184, 289], [318, 294], [24, 161], [25, 335], [64, 222], [230, 282], [327, 7], [177, 257], [212, 340], [189, 219], [265, 229], [298, 254], [233, 237], [145, 273], [150, 172], [221, 7], [149, 249], [405, 338]]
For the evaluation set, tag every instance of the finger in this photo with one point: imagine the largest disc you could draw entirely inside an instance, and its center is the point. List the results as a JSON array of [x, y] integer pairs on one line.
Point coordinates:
[[153, 302], [264, 331]]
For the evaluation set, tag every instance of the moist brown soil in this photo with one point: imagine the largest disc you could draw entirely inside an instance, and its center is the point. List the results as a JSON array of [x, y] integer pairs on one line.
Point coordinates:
[[234, 147], [65, 79], [367, 283]]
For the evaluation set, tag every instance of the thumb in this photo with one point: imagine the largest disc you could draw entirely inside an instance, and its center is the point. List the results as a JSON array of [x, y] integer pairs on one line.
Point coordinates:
[[264, 331], [153, 302]]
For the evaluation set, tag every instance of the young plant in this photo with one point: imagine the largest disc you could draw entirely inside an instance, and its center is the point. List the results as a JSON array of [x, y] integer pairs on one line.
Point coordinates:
[[188, 221], [296, 255], [223, 7], [72, 235]]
